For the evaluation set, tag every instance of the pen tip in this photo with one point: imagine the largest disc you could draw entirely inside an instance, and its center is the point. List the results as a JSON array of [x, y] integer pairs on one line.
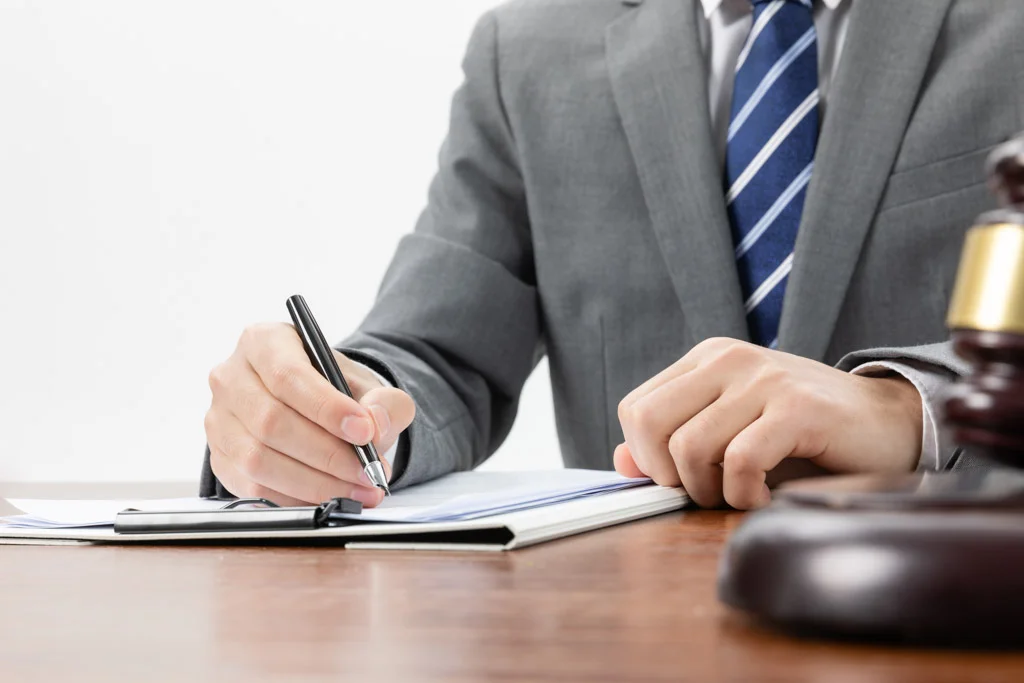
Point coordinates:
[[375, 473]]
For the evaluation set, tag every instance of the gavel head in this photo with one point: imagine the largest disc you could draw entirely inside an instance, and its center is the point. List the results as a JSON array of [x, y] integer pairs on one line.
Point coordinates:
[[985, 410]]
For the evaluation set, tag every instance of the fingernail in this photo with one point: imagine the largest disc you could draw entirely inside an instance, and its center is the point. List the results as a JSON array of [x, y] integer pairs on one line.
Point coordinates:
[[357, 430], [383, 421], [369, 497], [364, 479]]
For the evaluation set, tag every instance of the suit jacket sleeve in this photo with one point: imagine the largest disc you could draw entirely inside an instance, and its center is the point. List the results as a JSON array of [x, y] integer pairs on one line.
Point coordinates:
[[931, 368]]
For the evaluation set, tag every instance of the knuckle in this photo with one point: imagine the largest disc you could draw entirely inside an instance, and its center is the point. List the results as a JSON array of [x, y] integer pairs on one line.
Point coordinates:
[[680, 445], [217, 379], [253, 340], [250, 333], [624, 408], [251, 460], [690, 447], [642, 416], [267, 423], [321, 405], [740, 458], [714, 343], [209, 423], [738, 353], [281, 378], [772, 375], [217, 464]]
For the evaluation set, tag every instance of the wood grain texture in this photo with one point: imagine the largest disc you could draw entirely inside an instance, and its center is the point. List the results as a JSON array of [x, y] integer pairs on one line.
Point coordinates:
[[632, 603]]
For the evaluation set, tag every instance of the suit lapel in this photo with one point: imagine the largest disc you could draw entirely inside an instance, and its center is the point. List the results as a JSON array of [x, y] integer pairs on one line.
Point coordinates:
[[659, 81], [883, 63]]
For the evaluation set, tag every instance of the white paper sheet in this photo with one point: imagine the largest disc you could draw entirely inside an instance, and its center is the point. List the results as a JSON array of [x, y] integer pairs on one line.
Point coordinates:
[[461, 496], [471, 495]]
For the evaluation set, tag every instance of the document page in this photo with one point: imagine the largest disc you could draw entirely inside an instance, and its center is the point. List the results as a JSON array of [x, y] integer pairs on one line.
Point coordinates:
[[471, 495]]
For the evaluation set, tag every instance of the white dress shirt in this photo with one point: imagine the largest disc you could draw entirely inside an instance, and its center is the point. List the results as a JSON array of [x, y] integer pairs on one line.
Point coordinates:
[[723, 33]]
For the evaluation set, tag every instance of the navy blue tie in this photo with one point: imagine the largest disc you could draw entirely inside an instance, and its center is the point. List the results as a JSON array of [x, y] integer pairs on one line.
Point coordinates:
[[773, 132]]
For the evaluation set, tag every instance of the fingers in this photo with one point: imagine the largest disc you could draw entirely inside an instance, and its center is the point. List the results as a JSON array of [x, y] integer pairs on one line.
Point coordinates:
[[238, 485], [276, 355], [698, 447], [262, 468], [734, 473], [679, 426], [649, 421], [281, 428], [392, 410], [278, 430], [624, 463], [687, 363], [754, 452]]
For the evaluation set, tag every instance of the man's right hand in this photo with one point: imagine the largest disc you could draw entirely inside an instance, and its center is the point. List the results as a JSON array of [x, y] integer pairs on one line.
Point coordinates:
[[278, 430]]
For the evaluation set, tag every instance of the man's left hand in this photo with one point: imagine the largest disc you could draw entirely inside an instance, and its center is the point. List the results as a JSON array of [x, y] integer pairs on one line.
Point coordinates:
[[718, 420]]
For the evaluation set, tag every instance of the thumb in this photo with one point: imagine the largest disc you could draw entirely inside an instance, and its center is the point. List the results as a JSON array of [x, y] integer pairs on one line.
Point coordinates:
[[393, 411]]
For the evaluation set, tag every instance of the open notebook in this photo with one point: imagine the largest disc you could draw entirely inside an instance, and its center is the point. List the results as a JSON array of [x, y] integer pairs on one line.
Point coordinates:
[[469, 510]]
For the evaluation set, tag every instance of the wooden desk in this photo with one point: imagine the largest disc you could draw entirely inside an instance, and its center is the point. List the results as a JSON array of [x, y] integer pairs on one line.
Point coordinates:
[[633, 603]]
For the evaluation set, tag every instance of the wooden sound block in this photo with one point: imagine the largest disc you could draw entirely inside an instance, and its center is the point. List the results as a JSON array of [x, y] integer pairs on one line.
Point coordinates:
[[932, 559]]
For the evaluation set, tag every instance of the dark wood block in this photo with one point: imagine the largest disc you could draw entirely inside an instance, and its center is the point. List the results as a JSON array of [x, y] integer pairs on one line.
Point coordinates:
[[854, 558]]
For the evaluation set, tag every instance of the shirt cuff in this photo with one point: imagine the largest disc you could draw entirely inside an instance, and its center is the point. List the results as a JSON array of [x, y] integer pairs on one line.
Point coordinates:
[[393, 451], [923, 381]]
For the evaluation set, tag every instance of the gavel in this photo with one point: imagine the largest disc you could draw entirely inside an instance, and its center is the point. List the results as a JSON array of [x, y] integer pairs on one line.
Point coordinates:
[[985, 411], [928, 558]]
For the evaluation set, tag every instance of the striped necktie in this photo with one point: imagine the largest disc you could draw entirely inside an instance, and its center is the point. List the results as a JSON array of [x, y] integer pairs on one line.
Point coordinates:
[[773, 131]]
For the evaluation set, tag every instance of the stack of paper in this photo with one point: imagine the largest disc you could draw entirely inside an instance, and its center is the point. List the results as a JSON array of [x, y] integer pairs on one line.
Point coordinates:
[[456, 497], [472, 495], [479, 511]]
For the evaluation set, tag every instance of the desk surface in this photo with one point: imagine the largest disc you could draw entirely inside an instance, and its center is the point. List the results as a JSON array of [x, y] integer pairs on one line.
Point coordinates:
[[632, 603]]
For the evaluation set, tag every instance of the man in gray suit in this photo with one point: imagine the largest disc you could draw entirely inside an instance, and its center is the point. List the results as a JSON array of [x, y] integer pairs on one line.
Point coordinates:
[[731, 225]]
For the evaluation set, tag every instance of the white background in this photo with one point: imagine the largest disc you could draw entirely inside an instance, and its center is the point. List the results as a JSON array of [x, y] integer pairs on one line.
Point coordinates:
[[172, 171]]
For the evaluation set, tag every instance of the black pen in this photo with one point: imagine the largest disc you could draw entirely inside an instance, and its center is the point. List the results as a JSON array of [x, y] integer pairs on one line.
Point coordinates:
[[322, 357]]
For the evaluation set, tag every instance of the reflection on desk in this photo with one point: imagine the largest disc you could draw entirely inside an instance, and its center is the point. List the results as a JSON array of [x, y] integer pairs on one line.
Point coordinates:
[[633, 603]]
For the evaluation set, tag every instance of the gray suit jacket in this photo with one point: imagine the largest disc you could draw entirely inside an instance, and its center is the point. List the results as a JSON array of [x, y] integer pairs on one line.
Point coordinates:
[[578, 212]]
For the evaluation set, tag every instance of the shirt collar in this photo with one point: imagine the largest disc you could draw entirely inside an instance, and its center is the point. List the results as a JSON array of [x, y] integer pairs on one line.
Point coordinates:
[[710, 6]]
